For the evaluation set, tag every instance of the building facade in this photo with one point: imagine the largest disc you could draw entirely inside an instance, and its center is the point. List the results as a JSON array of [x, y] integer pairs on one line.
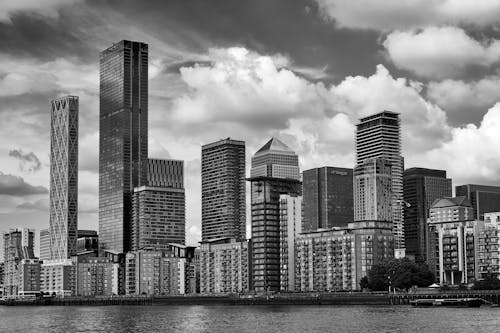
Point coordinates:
[[337, 259], [63, 210], [123, 139], [96, 276], [421, 187], [223, 190], [159, 209], [18, 246], [29, 278], [379, 136], [290, 227], [488, 247], [44, 244], [58, 277], [328, 198], [275, 171], [225, 266], [87, 243], [373, 190], [483, 198]]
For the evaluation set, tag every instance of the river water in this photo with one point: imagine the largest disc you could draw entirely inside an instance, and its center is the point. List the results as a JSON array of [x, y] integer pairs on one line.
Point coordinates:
[[248, 319]]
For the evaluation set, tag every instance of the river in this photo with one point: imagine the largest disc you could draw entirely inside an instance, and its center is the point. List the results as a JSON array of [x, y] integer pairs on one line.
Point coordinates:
[[248, 319]]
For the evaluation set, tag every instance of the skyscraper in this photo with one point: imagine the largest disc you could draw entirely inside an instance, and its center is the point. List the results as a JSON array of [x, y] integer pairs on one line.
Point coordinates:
[[223, 190], [275, 171], [372, 190], [484, 199], [44, 244], [159, 209], [123, 138], [63, 223], [290, 227], [379, 136], [327, 198], [421, 187]]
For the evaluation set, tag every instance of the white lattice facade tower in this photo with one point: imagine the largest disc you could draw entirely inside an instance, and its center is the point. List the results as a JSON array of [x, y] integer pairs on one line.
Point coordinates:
[[63, 177]]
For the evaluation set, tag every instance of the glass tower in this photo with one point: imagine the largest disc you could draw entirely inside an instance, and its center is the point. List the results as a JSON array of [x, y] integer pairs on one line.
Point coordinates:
[[63, 212], [123, 139]]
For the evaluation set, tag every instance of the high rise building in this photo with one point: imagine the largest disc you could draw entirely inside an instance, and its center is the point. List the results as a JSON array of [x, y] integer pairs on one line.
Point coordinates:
[[328, 198], [18, 245], [223, 190], [44, 244], [159, 209], [63, 222], [372, 190], [290, 227], [484, 199], [275, 171], [123, 138], [421, 187], [379, 136], [87, 244]]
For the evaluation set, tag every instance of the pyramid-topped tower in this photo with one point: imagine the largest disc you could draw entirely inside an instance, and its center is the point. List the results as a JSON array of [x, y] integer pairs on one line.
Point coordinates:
[[275, 160]]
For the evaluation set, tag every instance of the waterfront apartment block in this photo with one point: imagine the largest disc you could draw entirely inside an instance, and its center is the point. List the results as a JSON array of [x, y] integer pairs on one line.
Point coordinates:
[[483, 198], [224, 266], [337, 259], [379, 136], [58, 277], [96, 276], [63, 207], [123, 139], [450, 252], [275, 171], [18, 245], [223, 190], [44, 244], [488, 240], [421, 187], [29, 278], [290, 227], [373, 190], [328, 198]]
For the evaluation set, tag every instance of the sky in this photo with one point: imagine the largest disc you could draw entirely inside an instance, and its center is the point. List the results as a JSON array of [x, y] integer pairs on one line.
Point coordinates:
[[301, 70]]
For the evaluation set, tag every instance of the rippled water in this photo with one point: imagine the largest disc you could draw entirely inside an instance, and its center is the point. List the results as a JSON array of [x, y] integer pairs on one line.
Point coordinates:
[[248, 319]]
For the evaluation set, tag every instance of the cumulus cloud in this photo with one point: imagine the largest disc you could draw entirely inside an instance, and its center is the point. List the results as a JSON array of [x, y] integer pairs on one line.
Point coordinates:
[[386, 15], [465, 99], [48, 8], [16, 186], [27, 161], [439, 52]]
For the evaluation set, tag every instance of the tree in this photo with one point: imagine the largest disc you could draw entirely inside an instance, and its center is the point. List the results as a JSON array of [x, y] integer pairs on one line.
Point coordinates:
[[400, 274]]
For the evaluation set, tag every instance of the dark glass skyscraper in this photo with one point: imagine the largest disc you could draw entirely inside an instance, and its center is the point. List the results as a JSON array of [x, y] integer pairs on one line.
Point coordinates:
[[484, 199], [123, 138], [275, 171], [421, 187], [327, 198], [223, 190]]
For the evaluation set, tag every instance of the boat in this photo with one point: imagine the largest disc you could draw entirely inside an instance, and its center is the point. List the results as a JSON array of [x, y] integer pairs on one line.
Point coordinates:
[[449, 302]]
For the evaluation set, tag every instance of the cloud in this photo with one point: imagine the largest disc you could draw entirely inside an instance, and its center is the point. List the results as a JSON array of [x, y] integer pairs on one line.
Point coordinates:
[[439, 52], [386, 15], [27, 161], [39, 205], [48, 8], [465, 100], [16, 186]]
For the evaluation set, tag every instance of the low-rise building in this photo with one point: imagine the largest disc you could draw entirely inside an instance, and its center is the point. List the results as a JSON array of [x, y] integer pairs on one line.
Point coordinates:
[[58, 277], [338, 258], [29, 278], [225, 266], [96, 276], [488, 247]]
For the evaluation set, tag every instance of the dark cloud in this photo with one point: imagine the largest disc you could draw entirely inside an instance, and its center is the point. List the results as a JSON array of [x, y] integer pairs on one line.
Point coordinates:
[[16, 186], [27, 161]]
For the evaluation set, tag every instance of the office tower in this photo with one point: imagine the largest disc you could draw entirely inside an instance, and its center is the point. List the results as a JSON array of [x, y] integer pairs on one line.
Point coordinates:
[[63, 222], [275, 171], [123, 139], [451, 240], [87, 244], [328, 198], [290, 227], [337, 259], [223, 190], [159, 209], [484, 199], [421, 187], [379, 136], [18, 245], [372, 190], [44, 244], [225, 266]]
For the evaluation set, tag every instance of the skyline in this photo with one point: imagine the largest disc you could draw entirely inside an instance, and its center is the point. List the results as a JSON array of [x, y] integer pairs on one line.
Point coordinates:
[[248, 88]]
